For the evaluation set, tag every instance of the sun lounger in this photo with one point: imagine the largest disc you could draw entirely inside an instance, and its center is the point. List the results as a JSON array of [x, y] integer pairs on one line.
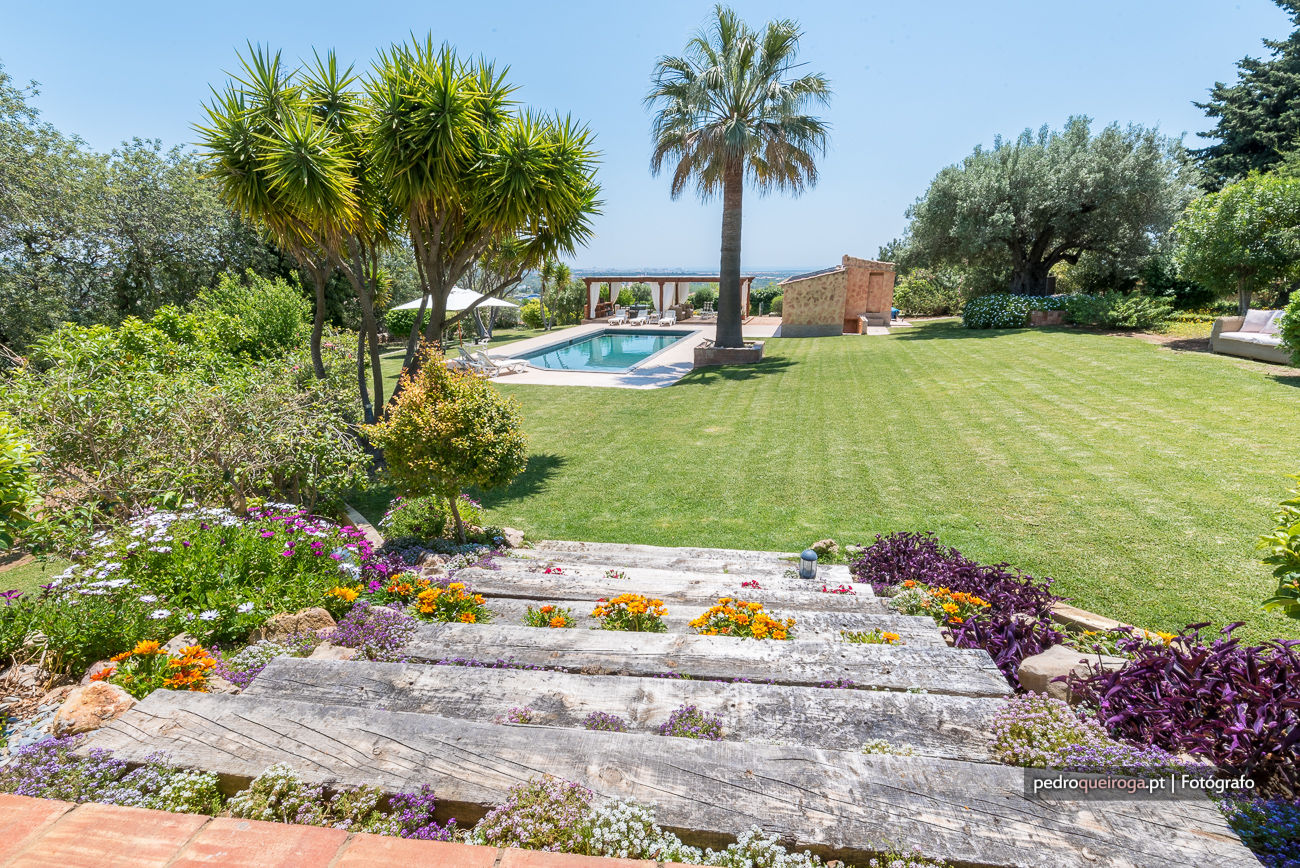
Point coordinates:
[[669, 318], [501, 366], [643, 318], [619, 317]]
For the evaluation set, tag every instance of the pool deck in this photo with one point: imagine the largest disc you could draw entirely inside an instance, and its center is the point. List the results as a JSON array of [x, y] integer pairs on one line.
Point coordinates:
[[662, 370]]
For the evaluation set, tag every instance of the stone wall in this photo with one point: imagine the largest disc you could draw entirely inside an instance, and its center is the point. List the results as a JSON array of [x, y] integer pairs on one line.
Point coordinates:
[[820, 303], [870, 287]]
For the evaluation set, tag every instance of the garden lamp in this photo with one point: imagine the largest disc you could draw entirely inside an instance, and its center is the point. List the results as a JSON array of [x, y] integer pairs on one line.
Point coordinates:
[[808, 564]]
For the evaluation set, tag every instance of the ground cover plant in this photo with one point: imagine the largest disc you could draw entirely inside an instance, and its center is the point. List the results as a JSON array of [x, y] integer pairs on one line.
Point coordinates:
[[1046, 449]]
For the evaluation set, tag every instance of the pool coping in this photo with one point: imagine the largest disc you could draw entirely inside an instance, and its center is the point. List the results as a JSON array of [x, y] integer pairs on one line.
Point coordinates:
[[681, 332]]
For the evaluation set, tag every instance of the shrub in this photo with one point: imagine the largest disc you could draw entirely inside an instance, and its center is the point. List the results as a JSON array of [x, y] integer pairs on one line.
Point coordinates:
[[531, 314], [1283, 547], [777, 304], [255, 317], [1117, 311], [545, 814], [705, 293], [19, 496], [742, 620], [1233, 704], [689, 721], [428, 518], [1005, 310], [246, 664], [631, 613], [447, 430], [1017, 623], [552, 617], [924, 293], [1290, 328]]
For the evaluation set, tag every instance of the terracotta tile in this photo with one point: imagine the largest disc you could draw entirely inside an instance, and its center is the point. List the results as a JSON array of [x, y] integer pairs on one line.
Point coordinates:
[[23, 819], [382, 851], [237, 843], [539, 859], [103, 836]]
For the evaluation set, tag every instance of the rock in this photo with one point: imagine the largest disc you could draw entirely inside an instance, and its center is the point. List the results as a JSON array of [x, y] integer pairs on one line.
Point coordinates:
[[282, 626], [825, 548], [95, 669], [21, 677], [327, 651], [57, 695], [217, 684], [90, 707], [433, 573], [176, 643], [514, 538], [431, 559], [1037, 673]]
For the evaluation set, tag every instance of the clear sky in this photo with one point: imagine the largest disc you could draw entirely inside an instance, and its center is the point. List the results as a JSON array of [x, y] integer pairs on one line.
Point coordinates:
[[917, 85]]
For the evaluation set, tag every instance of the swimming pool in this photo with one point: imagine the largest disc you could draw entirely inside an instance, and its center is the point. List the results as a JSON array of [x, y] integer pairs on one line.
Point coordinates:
[[605, 351]]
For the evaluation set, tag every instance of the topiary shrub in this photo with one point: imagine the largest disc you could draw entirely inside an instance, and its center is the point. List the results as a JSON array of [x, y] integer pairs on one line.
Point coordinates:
[[447, 430], [1005, 310]]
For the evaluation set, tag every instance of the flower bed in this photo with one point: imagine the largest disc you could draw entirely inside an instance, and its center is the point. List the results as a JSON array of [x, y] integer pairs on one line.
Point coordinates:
[[742, 620], [631, 613]]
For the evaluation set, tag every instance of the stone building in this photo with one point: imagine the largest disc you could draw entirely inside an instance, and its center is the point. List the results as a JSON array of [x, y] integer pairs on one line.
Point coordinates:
[[840, 300]]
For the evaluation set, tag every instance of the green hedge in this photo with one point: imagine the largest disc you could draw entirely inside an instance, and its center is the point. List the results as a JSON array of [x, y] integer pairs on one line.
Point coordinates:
[[1003, 310]]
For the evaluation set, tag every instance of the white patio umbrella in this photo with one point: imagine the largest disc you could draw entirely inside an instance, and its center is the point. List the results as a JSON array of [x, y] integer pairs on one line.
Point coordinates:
[[460, 299]]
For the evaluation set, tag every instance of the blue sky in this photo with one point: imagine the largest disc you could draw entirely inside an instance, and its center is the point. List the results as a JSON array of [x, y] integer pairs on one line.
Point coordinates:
[[917, 85]]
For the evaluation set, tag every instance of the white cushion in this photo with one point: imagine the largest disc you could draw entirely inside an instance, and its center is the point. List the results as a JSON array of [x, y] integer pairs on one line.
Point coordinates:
[[1274, 324], [1252, 338], [1256, 320]]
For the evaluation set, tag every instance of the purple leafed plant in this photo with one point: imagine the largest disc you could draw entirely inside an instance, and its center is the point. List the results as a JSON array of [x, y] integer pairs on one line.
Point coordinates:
[[1233, 704], [1017, 623]]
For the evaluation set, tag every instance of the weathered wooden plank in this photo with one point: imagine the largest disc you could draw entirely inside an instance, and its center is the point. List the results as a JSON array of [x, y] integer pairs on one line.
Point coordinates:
[[961, 672], [651, 577], [812, 626], [835, 803], [681, 559], [684, 590], [955, 727]]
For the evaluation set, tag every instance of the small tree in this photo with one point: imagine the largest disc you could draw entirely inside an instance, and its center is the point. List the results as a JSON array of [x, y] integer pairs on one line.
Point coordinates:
[[1243, 238], [447, 430]]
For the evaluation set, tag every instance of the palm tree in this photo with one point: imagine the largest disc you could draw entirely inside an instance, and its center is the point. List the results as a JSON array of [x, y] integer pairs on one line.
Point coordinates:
[[729, 110]]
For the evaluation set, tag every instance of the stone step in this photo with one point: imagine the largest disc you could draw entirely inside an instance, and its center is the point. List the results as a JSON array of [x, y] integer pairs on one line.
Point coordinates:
[[809, 625], [961, 672], [728, 583], [743, 563], [956, 727], [682, 590], [835, 803]]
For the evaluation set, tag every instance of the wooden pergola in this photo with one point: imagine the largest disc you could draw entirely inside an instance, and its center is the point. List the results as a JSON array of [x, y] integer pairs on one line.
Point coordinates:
[[671, 288]]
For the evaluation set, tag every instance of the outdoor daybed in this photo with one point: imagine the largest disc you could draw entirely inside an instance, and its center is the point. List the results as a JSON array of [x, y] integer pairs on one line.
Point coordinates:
[[1257, 335]]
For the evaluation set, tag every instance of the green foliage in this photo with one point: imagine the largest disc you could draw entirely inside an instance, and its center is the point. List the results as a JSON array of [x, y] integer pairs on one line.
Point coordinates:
[[1159, 278], [19, 491], [637, 293], [1243, 238], [428, 518], [448, 430], [400, 320], [697, 298], [1117, 310], [531, 314], [1290, 328], [254, 317], [1257, 115], [1006, 311], [760, 297], [775, 307], [159, 413], [1283, 548], [927, 293], [1022, 207]]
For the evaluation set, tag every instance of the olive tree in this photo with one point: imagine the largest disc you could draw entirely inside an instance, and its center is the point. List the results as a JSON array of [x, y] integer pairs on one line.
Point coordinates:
[[1023, 206]]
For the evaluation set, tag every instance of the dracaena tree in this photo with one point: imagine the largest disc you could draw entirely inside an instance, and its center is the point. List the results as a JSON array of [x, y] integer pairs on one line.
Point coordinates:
[[730, 110], [467, 171]]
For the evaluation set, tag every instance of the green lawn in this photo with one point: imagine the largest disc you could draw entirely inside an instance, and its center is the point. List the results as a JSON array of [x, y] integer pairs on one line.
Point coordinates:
[[1139, 477], [29, 577]]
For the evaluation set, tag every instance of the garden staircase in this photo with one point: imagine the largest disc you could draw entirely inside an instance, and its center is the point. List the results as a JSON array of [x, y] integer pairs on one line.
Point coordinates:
[[790, 760]]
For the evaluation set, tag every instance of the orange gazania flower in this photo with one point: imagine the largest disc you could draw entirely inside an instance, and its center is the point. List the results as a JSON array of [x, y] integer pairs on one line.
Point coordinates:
[[468, 617], [147, 646]]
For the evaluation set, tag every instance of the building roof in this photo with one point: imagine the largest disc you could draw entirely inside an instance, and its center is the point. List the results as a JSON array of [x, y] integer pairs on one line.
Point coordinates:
[[807, 274]]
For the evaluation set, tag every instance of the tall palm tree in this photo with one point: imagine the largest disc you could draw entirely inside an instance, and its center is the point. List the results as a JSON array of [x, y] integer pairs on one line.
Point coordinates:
[[727, 110]]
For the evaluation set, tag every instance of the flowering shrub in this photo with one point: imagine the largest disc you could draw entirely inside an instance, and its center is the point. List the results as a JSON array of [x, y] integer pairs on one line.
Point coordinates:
[[545, 814], [742, 620], [885, 747], [633, 613], [1041, 732], [601, 721], [1269, 827], [1017, 623], [49, 769], [945, 606], [549, 616], [206, 572], [871, 637], [1234, 704], [399, 588], [689, 721], [1005, 310], [1283, 544], [148, 666], [452, 603], [378, 632]]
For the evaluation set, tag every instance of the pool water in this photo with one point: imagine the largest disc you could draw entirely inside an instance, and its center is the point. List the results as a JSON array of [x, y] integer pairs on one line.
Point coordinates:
[[607, 351]]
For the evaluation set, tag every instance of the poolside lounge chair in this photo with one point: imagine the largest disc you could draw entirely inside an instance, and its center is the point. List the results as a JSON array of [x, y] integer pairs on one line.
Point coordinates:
[[669, 318], [619, 317], [642, 318], [501, 366]]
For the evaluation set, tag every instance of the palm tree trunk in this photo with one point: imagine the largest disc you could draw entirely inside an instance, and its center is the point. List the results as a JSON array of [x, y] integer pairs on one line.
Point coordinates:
[[729, 313]]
